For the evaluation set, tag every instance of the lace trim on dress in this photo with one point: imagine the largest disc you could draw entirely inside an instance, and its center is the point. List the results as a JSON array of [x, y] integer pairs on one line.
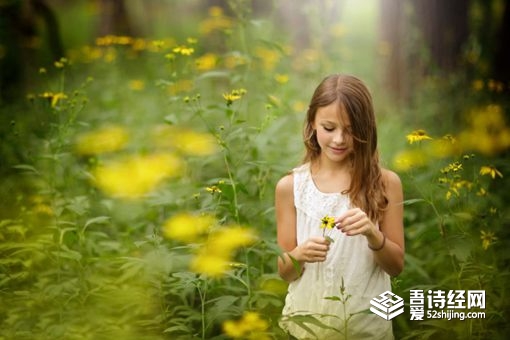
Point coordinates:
[[310, 199]]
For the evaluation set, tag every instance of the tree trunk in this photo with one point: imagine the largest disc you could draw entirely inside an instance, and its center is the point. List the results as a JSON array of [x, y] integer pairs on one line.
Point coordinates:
[[444, 25], [501, 67], [393, 63], [114, 18]]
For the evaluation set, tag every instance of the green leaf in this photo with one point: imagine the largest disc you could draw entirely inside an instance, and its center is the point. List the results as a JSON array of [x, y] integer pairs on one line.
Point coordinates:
[[296, 265], [214, 74], [26, 167], [464, 215], [413, 201], [302, 319], [415, 264], [333, 298], [96, 220], [79, 205], [67, 254]]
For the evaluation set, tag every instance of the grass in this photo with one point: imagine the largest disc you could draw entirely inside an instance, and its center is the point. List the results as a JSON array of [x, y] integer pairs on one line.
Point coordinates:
[[88, 246]]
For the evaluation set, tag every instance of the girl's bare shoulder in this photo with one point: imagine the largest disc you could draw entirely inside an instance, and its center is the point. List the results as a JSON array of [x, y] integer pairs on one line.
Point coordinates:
[[390, 177], [285, 186], [392, 182]]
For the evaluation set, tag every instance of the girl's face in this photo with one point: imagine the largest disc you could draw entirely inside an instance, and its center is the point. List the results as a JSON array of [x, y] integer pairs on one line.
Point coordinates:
[[333, 130]]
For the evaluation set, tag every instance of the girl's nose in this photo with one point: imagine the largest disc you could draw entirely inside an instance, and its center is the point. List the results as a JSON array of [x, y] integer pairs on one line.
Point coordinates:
[[338, 137]]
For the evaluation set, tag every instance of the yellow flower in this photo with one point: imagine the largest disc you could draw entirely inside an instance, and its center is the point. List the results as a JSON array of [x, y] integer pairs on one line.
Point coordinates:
[[54, 98], [226, 240], [213, 190], [234, 59], [136, 176], [210, 265], [327, 222], [139, 44], [206, 62], [61, 63], [231, 328], [186, 227], [233, 96], [443, 147], [183, 50], [216, 21], [103, 140], [43, 209], [416, 136], [158, 44], [452, 167], [281, 78], [449, 193], [250, 326], [487, 131], [110, 55], [195, 143], [268, 57], [482, 192], [136, 85], [181, 85], [186, 141], [215, 256], [407, 159], [491, 171], [488, 238], [477, 85], [215, 11]]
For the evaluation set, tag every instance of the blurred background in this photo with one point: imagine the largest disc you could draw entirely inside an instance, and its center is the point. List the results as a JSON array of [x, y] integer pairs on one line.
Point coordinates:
[[139, 137]]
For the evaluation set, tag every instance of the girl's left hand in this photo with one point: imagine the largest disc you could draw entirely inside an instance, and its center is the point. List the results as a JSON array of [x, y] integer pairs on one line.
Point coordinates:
[[354, 222]]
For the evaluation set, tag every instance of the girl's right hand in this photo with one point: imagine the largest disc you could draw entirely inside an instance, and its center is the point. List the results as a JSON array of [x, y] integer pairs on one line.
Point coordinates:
[[315, 249]]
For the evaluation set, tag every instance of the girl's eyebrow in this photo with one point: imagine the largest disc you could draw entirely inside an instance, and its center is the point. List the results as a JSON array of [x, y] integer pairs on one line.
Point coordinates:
[[334, 123]]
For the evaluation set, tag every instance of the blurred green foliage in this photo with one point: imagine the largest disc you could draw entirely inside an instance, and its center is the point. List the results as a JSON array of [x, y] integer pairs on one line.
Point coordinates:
[[126, 133]]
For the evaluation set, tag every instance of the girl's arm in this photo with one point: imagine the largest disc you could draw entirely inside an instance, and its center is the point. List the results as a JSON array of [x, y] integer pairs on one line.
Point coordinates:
[[391, 256], [387, 242], [313, 250]]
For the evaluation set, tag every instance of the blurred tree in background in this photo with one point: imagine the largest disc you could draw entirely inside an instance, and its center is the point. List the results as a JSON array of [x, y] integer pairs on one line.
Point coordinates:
[[141, 142]]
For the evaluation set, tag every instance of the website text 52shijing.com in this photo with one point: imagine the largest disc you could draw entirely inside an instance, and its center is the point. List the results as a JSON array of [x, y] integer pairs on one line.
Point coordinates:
[[449, 315]]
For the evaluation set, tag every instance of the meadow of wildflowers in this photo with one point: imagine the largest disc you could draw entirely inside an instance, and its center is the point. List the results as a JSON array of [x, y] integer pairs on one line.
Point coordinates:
[[141, 174]]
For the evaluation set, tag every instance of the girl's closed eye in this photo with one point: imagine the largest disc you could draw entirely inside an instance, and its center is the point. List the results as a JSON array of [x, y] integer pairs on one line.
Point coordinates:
[[328, 129]]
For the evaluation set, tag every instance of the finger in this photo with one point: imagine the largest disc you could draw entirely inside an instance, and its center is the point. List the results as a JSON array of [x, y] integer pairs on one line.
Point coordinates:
[[318, 253], [320, 258], [354, 225], [319, 240], [359, 217], [341, 219]]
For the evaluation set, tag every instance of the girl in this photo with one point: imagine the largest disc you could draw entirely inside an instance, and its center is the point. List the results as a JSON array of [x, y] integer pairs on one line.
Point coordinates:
[[340, 178]]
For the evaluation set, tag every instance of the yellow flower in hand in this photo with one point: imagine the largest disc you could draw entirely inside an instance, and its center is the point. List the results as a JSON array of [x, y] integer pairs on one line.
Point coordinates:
[[327, 222]]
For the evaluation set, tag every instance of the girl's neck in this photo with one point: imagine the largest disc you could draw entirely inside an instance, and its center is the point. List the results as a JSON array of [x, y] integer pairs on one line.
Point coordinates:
[[331, 177], [326, 166]]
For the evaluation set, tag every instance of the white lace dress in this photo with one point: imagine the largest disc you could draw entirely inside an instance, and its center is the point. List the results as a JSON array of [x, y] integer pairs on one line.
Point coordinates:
[[349, 259]]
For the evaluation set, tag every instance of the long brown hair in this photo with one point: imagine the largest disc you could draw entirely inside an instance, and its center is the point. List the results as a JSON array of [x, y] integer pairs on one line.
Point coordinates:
[[367, 189]]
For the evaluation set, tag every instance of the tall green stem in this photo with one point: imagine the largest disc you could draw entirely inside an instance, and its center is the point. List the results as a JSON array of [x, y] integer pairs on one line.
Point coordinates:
[[202, 294], [234, 187]]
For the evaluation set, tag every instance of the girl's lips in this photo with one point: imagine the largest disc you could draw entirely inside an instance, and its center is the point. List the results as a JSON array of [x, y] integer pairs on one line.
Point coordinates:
[[338, 150]]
